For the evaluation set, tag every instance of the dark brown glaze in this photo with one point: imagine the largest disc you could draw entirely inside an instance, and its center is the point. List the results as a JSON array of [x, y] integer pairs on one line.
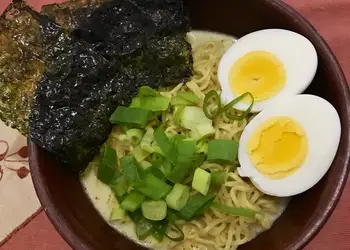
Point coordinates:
[[75, 218]]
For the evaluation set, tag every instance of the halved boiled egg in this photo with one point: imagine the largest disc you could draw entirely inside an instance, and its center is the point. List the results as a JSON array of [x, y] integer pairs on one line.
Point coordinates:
[[270, 64], [287, 148]]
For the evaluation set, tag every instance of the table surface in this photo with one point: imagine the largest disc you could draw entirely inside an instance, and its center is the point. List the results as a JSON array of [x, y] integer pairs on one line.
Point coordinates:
[[331, 18]]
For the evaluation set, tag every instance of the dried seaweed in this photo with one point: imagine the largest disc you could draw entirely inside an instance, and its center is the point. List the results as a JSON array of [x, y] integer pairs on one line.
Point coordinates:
[[21, 64], [92, 70], [71, 13]]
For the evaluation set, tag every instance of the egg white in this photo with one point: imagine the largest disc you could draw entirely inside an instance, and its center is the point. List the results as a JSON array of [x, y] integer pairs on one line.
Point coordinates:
[[322, 126], [296, 53]]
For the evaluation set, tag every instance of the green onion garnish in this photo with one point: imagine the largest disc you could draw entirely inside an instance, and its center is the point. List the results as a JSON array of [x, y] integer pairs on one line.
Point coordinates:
[[132, 201], [230, 105], [147, 91], [107, 168], [218, 177], [143, 228], [222, 151], [215, 95], [132, 173], [167, 147], [135, 135], [157, 103], [174, 233], [226, 109], [153, 187], [185, 98], [235, 211], [137, 117], [195, 205], [178, 113], [186, 151], [119, 186]]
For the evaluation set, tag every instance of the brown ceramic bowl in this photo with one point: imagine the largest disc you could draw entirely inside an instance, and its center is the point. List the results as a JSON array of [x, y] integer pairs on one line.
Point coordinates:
[[75, 218]]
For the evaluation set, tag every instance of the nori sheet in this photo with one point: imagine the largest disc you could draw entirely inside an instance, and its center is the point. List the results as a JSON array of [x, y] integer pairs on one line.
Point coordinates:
[[22, 59], [99, 65], [21, 64], [71, 13]]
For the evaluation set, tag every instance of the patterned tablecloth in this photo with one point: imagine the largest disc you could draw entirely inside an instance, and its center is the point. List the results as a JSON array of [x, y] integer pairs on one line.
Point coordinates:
[[24, 226]]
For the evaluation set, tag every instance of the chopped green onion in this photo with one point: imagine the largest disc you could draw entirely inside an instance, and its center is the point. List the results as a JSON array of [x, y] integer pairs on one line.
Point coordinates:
[[178, 112], [107, 168], [222, 151], [189, 96], [135, 135], [132, 201], [178, 197], [160, 228], [174, 233], [165, 145], [202, 147], [186, 151], [184, 98], [147, 91], [201, 181], [117, 212], [154, 210], [156, 158], [195, 204], [153, 187], [119, 186], [137, 117], [143, 228], [132, 173], [139, 153], [158, 103], [193, 118], [215, 95], [230, 105], [178, 101], [235, 211], [147, 139], [218, 177], [156, 172], [165, 167], [135, 103], [145, 165]]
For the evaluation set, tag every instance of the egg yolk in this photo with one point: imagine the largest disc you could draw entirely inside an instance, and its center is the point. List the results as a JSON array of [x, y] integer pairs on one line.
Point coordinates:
[[260, 73], [278, 147]]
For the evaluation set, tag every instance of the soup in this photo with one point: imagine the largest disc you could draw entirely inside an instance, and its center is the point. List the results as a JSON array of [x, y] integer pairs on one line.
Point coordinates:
[[213, 230]]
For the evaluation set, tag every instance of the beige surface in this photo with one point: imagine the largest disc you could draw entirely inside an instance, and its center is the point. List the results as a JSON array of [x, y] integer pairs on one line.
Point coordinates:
[[18, 200]]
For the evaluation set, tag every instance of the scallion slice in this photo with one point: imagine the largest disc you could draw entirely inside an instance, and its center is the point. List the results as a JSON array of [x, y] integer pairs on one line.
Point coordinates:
[[174, 233], [218, 177], [157, 103], [185, 98], [222, 151], [235, 211], [135, 135], [154, 188], [186, 151], [137, 117], [132, 173], [208, 96], [168, 148], [108, 163], [143, 229], [195, 204], [226, 109], [119, 186], [147, 91]]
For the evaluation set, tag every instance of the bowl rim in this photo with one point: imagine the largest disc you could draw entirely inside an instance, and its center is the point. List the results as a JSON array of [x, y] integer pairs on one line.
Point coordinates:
[[311, 231]]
